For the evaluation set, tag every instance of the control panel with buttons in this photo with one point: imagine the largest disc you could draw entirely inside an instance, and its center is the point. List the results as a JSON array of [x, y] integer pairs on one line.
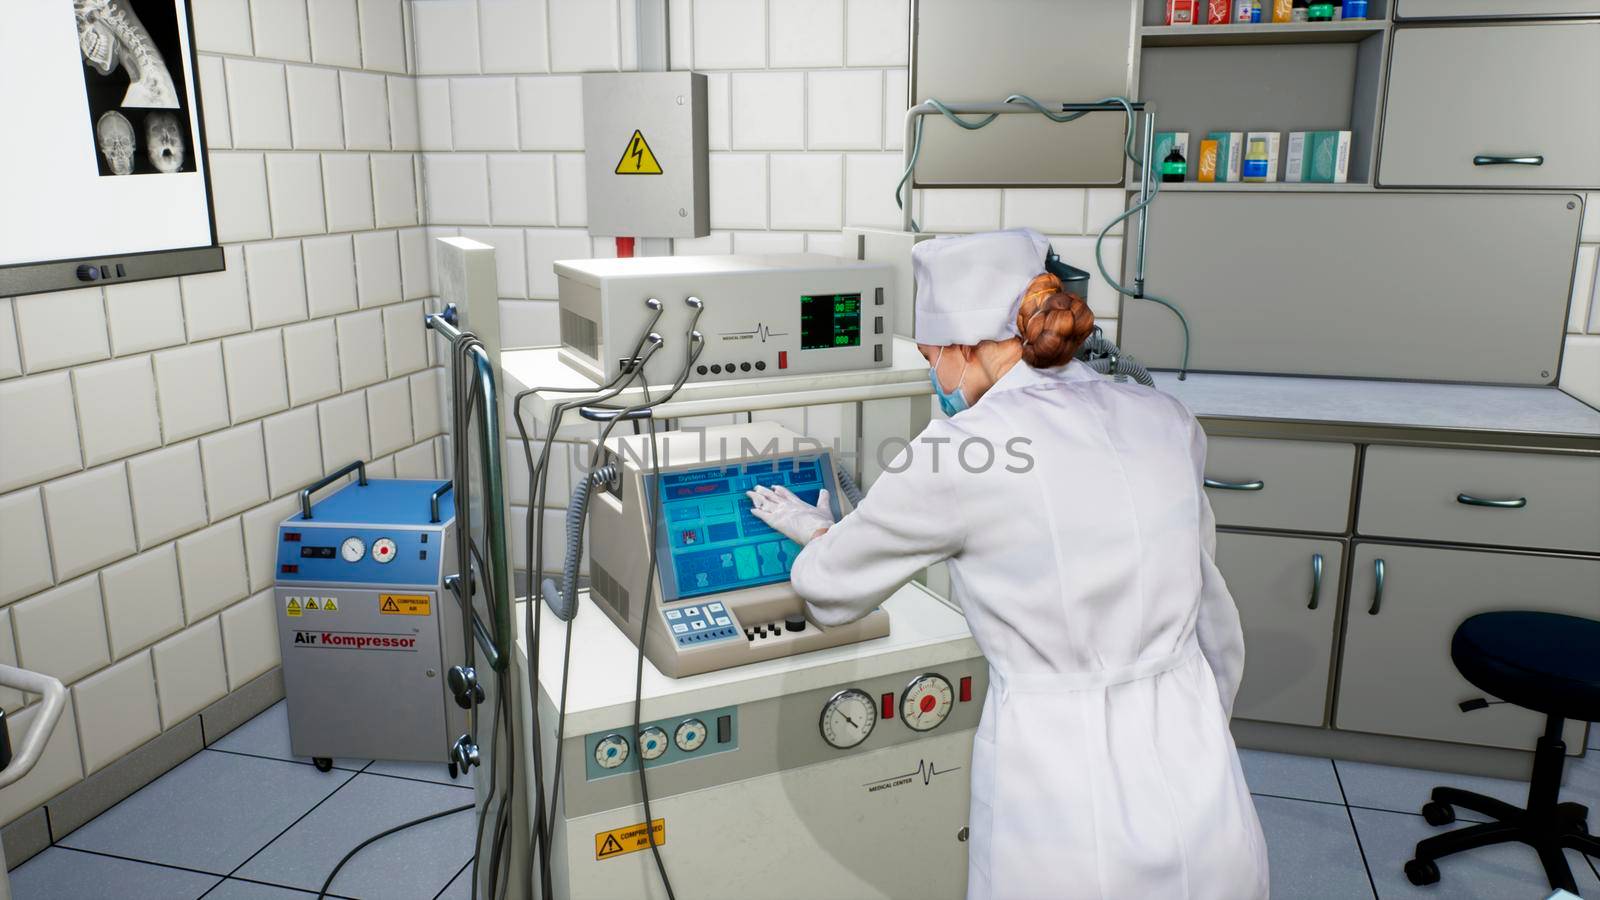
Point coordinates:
[[661, 742], [699, 623]]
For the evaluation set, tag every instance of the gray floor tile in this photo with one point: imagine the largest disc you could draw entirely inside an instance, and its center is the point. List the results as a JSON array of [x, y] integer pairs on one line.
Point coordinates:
[[268, 735], [1312, 851], [210, 813], [460, 888], [1287, 775], [436, 772], [1594, 735], [62, 874], [415, 863], [234, 889], [1405, 790], [1502, 872]]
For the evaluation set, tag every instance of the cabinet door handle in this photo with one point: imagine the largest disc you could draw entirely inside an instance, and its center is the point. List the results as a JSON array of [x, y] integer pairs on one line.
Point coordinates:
[[1235, 485], [1316, 579], [1508, 160], [1377, 592], [1470, 500]]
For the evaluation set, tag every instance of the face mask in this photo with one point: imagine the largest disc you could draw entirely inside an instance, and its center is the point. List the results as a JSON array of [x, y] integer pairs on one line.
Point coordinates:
[[955, 401]]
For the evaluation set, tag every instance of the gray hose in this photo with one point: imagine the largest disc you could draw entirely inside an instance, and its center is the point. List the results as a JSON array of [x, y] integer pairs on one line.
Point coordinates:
[[1103, 356], [847, 486], [563, 601]]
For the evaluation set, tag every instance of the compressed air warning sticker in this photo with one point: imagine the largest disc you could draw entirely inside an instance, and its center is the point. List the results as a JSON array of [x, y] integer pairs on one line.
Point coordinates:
[[292, 607], [633, 838], [312, 604], [403, 604], [637, 159], [330, 604]]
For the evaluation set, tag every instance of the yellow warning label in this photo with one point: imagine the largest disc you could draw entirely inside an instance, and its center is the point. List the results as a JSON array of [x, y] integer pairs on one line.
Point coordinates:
[[403, 604], [330, 604], [311, 603], [638, 159], [633, 838], [292, 608]]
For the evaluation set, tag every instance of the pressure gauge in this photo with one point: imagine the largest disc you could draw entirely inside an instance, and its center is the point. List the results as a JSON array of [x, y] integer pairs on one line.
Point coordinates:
[[612, 751], [383, 550], [652, 742], [847, 718], [353, 549], [690, 735], [926, 702]]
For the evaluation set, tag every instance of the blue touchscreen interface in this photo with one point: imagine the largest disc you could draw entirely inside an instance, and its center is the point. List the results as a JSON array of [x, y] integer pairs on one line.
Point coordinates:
[[710, 540]]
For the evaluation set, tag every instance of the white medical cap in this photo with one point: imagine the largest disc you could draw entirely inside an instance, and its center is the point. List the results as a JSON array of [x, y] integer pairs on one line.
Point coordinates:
[[969, 287]]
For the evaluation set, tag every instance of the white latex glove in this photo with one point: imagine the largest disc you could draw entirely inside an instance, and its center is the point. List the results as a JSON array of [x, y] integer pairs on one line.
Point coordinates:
[[790, 516]]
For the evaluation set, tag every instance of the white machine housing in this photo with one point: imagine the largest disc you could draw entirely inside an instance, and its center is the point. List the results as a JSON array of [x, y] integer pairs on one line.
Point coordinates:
[[746, 610], [799, 313]]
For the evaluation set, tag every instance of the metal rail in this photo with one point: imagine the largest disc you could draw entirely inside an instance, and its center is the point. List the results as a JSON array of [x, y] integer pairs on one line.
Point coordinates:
[[490, 447]]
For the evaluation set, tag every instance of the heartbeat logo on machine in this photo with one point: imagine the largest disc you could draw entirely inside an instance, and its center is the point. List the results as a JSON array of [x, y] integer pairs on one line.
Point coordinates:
[[925, 770], [761, 333]]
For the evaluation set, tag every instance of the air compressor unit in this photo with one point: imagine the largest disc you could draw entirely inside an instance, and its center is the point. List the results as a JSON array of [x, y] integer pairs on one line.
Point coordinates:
[[367, 628]]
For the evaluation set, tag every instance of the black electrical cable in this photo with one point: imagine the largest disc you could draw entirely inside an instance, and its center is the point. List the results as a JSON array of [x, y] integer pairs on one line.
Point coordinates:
[[380, 836], [638, 672]]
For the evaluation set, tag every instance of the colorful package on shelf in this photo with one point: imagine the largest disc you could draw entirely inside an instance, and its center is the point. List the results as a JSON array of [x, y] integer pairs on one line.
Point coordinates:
[[1354, 9], [1327, 157], [1260, 156], [1207, 168], [1294, 157], [1181, 12], [1166, 142], [1219, 12], [1230, 153], [1282, 11]]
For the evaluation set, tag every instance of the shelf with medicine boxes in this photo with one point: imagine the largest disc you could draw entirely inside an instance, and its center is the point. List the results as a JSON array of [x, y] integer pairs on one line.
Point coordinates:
[[1266, 18], [1353, 31]]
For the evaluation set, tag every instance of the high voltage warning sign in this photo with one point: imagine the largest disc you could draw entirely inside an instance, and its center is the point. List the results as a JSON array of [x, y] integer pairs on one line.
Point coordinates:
[[629, 839], [638, 159]]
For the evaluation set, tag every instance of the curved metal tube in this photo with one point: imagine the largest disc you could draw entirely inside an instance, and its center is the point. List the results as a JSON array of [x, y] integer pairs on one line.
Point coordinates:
[[324, 481], [44, 721], [1514, 503], [435, 497]]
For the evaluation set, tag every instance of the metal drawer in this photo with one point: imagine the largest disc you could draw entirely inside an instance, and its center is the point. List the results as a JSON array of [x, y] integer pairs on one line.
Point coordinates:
[[1499, 106], [1292, 485], [1482, 497], [1494, 9]]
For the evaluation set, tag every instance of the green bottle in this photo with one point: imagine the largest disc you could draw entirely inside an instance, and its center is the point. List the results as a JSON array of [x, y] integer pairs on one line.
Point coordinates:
[[1174, 167], [1320, 11]]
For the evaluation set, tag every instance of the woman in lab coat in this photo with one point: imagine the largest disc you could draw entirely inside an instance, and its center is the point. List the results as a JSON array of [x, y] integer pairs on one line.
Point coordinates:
[[1082, 556]]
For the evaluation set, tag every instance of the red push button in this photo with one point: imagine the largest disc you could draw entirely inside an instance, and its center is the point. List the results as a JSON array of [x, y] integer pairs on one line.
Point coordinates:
[[966, 688], [783, 359], [888, 706]]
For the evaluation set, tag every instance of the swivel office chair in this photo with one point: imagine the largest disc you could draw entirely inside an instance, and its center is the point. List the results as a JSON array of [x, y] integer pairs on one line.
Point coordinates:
[[1548, 663]]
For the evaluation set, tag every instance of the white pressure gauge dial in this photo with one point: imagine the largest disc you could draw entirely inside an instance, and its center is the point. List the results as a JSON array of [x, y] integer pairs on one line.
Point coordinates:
[[353, 549], [847, 718], [383, 550], [926, 702], [652, 742], [612, 751], [690, 735]]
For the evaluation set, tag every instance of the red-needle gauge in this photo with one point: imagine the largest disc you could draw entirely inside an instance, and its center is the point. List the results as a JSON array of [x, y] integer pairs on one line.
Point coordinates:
[[926, 702], [383, 550]]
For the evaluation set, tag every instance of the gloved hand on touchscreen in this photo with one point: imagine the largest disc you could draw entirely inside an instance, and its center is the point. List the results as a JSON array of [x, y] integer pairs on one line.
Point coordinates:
[[790, 516]]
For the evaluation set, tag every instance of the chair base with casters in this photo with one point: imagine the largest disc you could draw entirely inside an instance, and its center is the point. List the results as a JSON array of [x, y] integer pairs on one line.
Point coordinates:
[[1525, 658]]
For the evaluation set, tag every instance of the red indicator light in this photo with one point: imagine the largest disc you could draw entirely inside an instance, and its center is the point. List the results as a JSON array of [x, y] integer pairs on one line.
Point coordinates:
[[888, 706], [290, 569], [291, 537], [783, 359], [966, 688]]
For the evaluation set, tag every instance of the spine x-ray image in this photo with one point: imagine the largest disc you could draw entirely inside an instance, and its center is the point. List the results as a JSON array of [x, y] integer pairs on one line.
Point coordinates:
[[134, 75]]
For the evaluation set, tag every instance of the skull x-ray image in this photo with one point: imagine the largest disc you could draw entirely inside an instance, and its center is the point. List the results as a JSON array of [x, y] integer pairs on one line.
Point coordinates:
[[115, 135], [163, 141], [134, 72]]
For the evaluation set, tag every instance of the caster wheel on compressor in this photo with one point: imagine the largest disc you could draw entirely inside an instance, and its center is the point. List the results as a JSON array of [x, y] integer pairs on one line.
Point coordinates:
[[1422, 872], [1437, 813], [323, 763]]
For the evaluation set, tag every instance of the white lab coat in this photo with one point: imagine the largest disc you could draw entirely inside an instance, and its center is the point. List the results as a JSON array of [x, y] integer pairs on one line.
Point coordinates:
[[1103, 766]]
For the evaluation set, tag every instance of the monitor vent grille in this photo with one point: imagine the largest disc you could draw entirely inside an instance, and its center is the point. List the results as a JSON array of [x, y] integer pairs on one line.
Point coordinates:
[[609, 589], [580, 333]]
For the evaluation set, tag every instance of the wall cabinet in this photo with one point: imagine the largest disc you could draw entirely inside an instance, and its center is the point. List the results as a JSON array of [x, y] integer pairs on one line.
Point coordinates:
[[1404, 605], [1493, 106], [1494, 9], [1287, 590], [1290, 485]]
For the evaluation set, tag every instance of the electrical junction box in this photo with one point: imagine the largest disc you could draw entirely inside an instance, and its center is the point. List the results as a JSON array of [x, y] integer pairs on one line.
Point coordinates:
[[764, 315], [644, 138]]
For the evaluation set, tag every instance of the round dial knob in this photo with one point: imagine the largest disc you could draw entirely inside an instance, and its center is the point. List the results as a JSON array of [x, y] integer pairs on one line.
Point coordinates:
[[383, 550], [353, 549], [690, 735], [926, 702], [847, 718], [652, 742], [612, 751]]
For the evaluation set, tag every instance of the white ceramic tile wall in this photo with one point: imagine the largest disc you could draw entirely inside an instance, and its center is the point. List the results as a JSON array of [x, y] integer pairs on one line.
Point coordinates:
[[148, 427]]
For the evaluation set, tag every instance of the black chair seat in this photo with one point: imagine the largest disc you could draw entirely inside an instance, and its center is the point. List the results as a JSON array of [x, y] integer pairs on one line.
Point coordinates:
[[1537, 660]]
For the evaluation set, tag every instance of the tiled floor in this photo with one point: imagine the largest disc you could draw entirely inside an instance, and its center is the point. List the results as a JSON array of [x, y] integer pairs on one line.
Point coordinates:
[[246, 820]]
